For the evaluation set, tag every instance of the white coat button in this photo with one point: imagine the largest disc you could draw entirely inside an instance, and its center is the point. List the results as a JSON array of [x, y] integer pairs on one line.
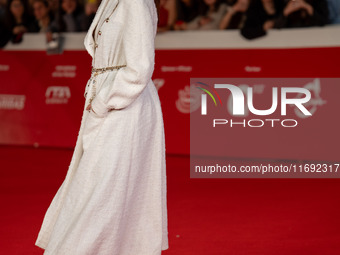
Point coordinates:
[[100, 32], [107, 20]]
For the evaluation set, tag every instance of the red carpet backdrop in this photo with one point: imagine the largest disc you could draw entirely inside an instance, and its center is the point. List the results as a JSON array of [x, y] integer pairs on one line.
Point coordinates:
[[41, 101], [41, 97]]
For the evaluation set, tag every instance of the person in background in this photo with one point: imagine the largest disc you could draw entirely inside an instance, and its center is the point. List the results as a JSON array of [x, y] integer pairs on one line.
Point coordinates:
[[2, 8], [3, 30], [167, 15], [16, 21], [71, 18], [43, 15], [236, 15], [263, 15], [210, 16], [302, 13], [54, 5], [91, 7], [187, 10], [334, 11], [259, 15]]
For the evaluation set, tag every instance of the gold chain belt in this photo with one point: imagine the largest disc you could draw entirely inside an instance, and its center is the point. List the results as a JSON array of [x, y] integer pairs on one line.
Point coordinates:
[[96, 70]]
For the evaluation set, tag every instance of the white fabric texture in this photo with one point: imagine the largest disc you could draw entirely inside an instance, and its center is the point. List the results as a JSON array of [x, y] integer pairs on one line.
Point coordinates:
[[113, 199]]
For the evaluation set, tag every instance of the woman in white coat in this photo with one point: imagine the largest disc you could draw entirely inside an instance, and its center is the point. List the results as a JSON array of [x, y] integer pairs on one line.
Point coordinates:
[[113, 199]]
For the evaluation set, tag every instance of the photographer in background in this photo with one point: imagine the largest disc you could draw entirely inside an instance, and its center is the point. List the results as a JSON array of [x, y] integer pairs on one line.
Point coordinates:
[[263, 15], [303, 13]]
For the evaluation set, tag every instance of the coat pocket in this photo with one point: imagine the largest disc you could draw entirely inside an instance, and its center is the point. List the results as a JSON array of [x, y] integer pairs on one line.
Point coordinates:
[[101, 103], [91, 129]]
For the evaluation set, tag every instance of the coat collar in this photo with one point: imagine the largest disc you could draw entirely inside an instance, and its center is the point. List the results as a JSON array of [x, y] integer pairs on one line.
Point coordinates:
[[105, 9]]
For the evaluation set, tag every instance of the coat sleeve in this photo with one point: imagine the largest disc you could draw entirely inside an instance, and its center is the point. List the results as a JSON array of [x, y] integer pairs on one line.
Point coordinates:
[[140, 21]]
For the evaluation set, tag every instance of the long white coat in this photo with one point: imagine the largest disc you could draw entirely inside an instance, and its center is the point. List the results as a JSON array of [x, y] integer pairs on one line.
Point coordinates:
[[113, 199]]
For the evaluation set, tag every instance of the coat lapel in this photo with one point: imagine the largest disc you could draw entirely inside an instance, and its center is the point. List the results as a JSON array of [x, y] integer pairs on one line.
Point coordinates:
[[105, 9]]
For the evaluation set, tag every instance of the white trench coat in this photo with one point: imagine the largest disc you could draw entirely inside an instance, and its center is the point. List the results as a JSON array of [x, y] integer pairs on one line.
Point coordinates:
[[113, 198]]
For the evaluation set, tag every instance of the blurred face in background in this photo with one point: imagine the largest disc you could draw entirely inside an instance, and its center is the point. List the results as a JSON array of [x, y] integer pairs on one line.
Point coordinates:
[[54, 4], [69, 5], [209, 2], [17, 8], [40, 10], [187, 2], [3, 2], [91, 7]]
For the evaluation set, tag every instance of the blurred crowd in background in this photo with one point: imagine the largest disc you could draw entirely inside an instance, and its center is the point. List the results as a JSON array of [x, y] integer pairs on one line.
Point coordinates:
[[252, 17]]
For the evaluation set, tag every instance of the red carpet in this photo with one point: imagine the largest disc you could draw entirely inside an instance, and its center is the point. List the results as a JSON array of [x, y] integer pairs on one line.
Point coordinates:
[[206, 217]]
